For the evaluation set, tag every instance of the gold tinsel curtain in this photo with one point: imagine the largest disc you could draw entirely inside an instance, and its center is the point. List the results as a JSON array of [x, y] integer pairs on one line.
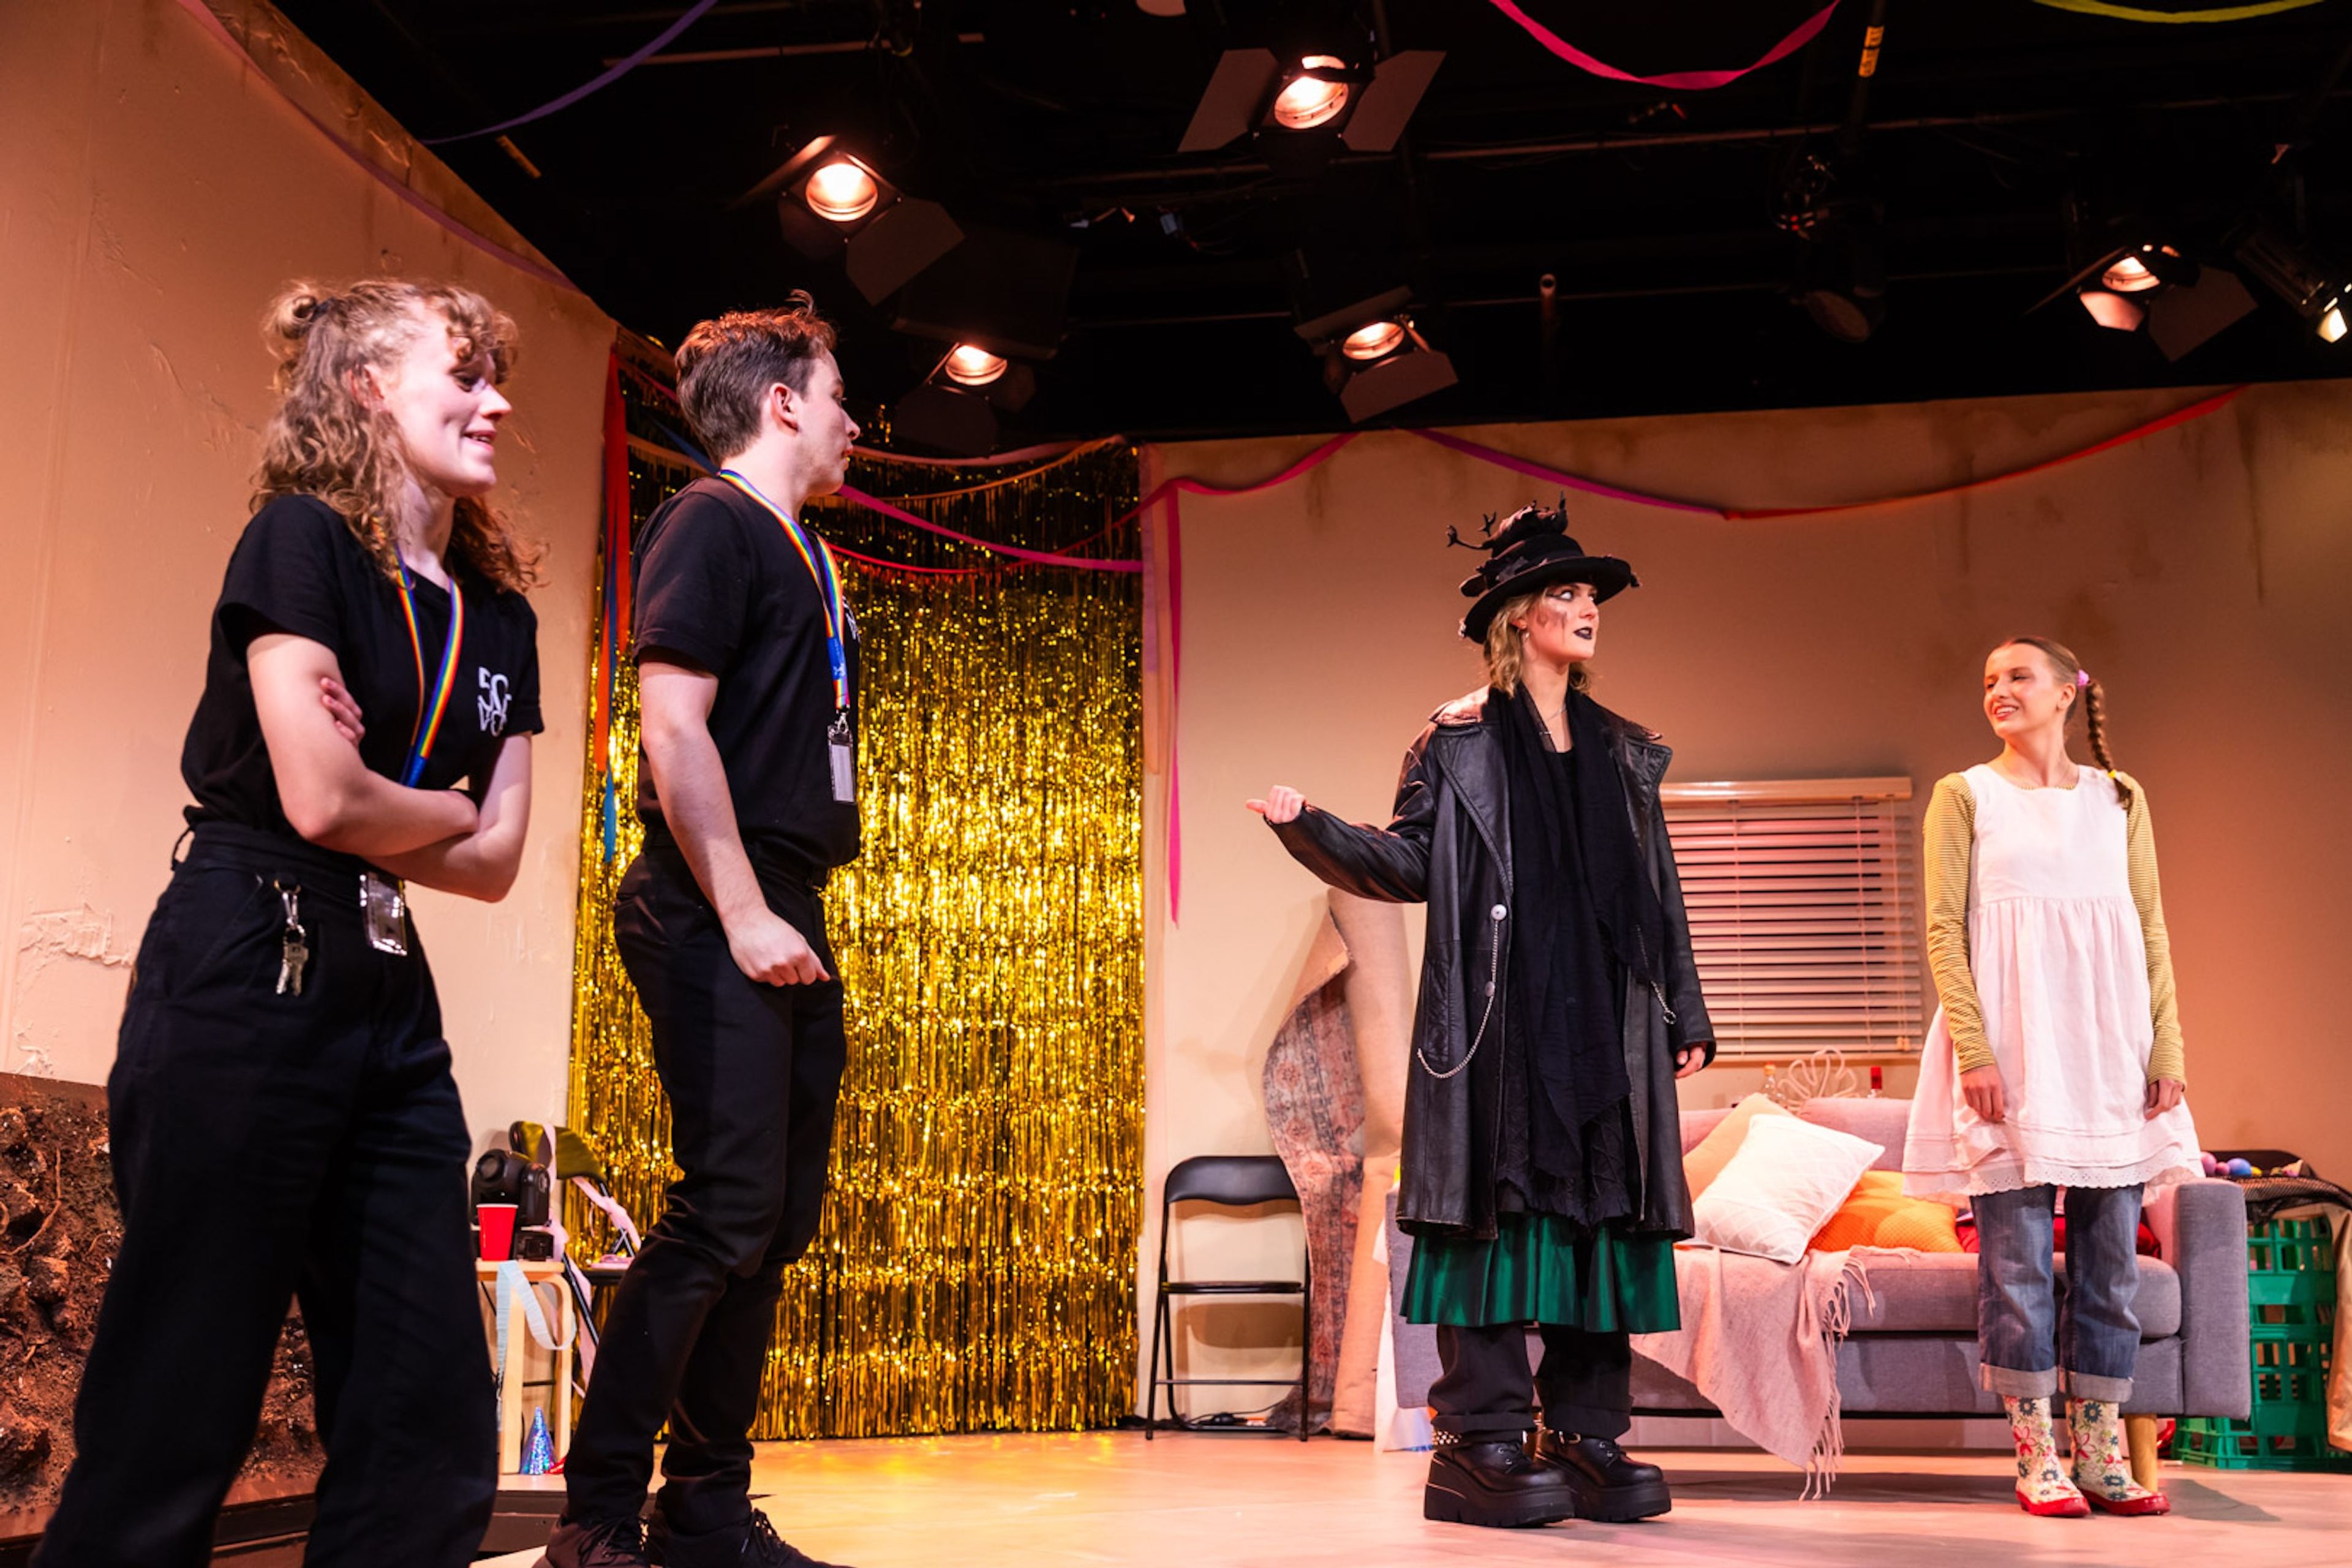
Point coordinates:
[[975, 1271]]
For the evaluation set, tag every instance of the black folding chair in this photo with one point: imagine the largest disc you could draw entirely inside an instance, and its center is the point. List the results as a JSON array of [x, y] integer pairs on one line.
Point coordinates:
[[1232, 1181]]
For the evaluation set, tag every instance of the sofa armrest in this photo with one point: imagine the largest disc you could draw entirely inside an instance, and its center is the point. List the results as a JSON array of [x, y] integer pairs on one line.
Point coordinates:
[[2200, 1231]]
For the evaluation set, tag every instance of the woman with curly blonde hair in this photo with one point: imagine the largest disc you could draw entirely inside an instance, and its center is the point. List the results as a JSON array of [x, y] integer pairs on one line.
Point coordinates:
[[284, 1122]]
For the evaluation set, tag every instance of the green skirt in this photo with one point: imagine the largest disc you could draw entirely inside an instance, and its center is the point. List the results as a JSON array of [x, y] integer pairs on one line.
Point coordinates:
[[1541, 1268]]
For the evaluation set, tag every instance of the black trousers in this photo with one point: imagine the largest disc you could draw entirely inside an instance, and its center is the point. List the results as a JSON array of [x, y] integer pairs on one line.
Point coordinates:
[[265, 1147], [752, 1072], [1483, 1391]]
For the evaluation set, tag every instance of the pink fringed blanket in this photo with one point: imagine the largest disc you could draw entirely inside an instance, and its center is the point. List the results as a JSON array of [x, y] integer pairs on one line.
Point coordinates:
[[1759, 1338]]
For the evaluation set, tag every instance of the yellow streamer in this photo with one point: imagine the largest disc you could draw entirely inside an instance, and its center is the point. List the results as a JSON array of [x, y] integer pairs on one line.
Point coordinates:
[[2141, 13], [975, 1269]]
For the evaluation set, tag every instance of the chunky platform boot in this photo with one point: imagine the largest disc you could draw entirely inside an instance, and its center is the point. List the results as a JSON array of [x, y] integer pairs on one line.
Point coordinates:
[[1495, 1482], [1610, 1488]]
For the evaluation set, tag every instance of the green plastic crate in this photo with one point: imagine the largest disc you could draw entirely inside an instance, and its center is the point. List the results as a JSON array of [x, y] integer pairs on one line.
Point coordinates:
[[2290, 1292]]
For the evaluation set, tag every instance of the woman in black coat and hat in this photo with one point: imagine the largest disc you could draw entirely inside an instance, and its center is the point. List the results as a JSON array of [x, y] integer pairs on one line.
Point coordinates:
[[1542, 1169]]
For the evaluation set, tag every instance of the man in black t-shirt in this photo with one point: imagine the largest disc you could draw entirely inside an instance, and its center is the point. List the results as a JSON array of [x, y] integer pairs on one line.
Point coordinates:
[[747, 663]]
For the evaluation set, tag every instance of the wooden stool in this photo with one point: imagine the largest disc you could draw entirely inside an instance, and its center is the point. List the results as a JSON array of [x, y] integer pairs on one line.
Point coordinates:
[[522, 1355]]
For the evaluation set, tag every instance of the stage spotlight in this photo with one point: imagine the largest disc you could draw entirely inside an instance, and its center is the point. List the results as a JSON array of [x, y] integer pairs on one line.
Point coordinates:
[[969, 364], [955, 409], [1373, 357], [1303, 115], [2146, 282], [843, 191], [830, 203], [1842, 277], [2290, 272], [1841, 267], [1374, 340], [1314, 95]]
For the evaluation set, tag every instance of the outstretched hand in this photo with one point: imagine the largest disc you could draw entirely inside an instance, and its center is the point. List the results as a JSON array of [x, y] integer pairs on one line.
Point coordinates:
[[1282, 804]]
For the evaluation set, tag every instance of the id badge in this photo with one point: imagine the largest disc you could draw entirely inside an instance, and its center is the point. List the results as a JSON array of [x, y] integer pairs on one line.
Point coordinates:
[[386, 914], [841, 750]]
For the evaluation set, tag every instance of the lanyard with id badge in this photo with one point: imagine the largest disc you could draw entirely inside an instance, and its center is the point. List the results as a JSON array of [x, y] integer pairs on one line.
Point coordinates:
[[382, 907], [841, 745], [382, 901]]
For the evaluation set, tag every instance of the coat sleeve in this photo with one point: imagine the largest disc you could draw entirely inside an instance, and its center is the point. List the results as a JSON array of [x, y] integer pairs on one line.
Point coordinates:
[[1390, 864], [1691, 1026]]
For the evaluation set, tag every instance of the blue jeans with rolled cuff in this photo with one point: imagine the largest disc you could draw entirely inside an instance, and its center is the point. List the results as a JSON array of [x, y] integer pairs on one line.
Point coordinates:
[[2031, 1343]]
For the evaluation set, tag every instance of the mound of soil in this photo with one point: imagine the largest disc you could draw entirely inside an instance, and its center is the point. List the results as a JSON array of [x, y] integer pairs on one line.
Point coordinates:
[[57, 1240]]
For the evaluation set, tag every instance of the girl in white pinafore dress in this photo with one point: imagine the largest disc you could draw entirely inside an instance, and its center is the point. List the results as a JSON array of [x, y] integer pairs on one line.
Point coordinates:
[[2054, 1061]]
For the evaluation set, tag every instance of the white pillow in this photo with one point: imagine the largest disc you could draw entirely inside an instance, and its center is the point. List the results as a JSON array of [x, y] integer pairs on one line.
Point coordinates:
[[1786, 1181]]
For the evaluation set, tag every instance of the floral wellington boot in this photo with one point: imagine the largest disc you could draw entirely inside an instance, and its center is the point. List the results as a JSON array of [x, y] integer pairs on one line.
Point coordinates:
[[2042, 1487], [2101, 1467]]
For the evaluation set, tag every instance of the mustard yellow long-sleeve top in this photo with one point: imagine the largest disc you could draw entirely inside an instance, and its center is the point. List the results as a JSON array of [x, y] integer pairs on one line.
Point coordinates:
[[1951, 830]]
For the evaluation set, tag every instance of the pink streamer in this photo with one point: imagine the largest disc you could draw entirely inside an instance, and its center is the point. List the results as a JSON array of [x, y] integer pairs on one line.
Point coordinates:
[[1175, 704], [1553, 476], [1683, 81], [1043, 450], [1036, 557]]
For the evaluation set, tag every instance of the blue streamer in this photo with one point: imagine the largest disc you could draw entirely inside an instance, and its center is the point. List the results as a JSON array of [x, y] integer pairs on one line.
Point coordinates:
[[688, 448], [619, 70]]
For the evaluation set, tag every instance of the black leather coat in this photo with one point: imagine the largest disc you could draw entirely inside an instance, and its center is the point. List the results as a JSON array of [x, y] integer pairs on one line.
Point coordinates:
[[1449, 846]]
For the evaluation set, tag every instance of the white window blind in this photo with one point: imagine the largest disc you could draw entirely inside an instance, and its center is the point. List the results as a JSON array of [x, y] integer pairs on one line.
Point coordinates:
[[1803, 899]]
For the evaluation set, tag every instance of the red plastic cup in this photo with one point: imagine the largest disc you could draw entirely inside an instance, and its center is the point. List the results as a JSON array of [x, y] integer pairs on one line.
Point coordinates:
[[498, 1221]]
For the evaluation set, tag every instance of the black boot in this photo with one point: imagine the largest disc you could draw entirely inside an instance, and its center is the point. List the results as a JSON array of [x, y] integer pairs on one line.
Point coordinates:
[[1610, 1488], [1495, 1482], [753, 1544], [596, 1544]]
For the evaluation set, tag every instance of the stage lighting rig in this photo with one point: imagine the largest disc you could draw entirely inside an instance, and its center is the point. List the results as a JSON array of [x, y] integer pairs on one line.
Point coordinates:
[[2315, 293], [955, 408], [1300, 113], [1840, 273], [831, 203], [2134, 276], [1373, 357]]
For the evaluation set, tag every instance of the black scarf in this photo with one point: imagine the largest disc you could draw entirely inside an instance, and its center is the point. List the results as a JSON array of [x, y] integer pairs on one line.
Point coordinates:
[[1586, 916]]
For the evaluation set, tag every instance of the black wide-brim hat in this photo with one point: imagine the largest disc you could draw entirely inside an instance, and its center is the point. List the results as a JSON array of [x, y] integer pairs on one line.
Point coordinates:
[[1530, 551]]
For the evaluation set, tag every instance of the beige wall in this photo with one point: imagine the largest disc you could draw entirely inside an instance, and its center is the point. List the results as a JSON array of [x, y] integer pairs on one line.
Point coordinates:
[[2203, 575], [154, 191]]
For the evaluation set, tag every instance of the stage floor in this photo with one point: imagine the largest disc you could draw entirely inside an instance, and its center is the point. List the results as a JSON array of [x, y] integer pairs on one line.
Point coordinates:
[[1193, 1501]]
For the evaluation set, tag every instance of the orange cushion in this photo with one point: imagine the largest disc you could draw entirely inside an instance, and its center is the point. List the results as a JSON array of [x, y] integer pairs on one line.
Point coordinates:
[[1711, 1153], [1876, 1214]]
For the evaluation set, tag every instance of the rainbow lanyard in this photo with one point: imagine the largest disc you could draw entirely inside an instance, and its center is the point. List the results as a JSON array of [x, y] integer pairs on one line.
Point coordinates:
[[819, 561], [428, 728]]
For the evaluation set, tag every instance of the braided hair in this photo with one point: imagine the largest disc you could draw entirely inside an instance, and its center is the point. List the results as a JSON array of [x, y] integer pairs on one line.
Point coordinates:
[[2094, 704]]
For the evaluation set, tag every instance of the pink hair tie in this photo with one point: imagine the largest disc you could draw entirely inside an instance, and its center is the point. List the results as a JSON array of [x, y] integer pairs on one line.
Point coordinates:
[[2082, 677]]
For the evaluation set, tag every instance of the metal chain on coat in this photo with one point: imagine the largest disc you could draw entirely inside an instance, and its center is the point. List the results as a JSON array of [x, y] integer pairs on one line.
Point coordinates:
[[1494, 973]]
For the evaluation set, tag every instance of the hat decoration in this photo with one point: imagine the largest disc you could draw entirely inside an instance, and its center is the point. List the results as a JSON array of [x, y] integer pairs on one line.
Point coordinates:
[[1527, 552]]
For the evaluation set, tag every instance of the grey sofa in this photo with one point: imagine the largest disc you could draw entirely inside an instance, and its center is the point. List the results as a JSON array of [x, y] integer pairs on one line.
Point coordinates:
[[1913, 1349]]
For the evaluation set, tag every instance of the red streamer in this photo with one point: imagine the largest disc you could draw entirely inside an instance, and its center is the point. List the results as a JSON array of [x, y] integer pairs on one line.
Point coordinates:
[[617, 585], [1681, 82], [2197, 410]]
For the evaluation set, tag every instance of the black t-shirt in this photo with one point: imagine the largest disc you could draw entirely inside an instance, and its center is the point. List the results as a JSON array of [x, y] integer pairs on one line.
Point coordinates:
[[300, 569], [720, 587]]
